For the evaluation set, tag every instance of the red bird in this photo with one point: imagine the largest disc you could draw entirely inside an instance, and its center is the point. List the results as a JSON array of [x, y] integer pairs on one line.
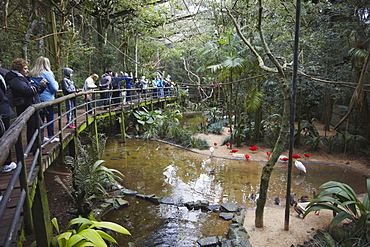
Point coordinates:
[[247, 157], [307, 155], [253, 148], [296, 156], [234, 151], [284, 158], [229, 130], [215, 143], [227, 145], [268, 153]]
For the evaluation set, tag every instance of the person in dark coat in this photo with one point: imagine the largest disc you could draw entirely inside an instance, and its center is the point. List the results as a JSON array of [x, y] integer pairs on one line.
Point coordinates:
[[25, 92], [105, 83], [5, 113]]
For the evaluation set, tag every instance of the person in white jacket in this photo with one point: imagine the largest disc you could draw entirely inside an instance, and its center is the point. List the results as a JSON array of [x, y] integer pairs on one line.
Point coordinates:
[[89, 85]]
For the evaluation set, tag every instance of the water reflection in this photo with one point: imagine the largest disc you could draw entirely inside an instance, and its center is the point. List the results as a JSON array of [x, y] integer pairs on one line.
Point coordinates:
[[167, 171]]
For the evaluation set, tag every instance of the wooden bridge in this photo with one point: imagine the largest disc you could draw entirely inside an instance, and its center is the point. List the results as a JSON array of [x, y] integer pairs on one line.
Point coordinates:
[[24, 207]]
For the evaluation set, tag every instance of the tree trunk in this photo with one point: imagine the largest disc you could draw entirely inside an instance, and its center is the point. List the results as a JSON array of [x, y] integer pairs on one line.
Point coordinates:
[[279, 147]]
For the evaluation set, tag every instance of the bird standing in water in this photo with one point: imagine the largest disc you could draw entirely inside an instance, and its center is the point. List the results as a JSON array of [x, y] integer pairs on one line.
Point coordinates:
[[300, 166], [212, 150]]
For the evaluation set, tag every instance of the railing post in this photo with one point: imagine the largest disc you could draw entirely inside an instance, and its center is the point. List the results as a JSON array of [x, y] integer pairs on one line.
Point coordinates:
[[27, 212], [122, 126], [41, 214], [60, 125]]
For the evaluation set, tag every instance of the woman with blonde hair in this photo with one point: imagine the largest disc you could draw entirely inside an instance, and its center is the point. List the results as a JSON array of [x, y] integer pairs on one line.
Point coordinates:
[[40, 71]]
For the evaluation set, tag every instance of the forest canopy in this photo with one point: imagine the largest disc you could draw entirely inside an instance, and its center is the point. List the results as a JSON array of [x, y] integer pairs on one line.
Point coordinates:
[[196, 42]]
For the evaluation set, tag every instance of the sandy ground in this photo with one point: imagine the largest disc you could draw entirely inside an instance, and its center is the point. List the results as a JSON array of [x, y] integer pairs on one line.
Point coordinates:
[[273, 233]]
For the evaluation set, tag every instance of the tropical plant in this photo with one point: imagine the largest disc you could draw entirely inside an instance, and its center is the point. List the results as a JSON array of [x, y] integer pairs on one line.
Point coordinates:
[[85, 232], [343, 201], [271, 128], [344, 139], [90, 178]]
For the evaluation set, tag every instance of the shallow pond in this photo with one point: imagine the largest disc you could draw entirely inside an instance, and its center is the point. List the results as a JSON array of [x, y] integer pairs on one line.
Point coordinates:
[[167, 171]]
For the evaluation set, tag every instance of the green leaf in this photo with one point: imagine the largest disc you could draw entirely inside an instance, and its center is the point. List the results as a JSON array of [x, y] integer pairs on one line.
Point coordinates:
[[92, 236], [54, 221], [112, 226], [106, 236], [74, 240]]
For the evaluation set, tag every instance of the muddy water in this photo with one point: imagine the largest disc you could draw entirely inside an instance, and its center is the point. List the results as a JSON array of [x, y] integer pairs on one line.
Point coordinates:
[[155, 168]]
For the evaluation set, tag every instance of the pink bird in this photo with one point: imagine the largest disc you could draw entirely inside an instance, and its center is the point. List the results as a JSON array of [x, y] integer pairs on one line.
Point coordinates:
[[296, 156], [284, 158]]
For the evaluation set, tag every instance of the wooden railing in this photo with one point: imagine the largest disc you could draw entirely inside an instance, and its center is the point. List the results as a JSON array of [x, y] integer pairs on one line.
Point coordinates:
[[22, 205]]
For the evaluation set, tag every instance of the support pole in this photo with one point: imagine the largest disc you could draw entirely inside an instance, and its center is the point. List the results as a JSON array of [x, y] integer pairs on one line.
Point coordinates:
[[292, 115]]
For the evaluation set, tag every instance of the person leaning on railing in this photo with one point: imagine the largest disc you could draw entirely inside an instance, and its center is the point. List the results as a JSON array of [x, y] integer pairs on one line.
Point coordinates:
[[89, 85], [5, 113], [25, 92], [68, 87], [40, 71]]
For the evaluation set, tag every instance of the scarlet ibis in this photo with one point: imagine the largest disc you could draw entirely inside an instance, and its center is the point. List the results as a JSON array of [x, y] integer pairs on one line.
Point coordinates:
[[300, 166], [284, 158], [298, 210], [227, 145], [268, 153], [253, 148], [307, 156], [215, 143], [212, 150], [229, 130], [234, 150], [247, 157], [207, 120], [296, 156]]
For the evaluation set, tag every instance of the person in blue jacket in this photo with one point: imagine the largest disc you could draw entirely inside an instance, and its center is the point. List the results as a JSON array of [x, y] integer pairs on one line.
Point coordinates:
[[116, 84], [40, 71], [129, 83]]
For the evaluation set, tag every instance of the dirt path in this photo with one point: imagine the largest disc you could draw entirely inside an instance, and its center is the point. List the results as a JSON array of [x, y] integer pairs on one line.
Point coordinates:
[[300, 230]]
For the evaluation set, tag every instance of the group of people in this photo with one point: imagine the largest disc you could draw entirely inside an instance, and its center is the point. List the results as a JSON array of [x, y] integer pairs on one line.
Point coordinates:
[[20, 88]]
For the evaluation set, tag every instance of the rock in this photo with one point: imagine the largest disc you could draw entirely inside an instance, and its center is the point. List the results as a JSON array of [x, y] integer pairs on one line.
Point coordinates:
[[189, 205], [201, 204], [210, 241], [226, 216], [118, 193], [229, 207], [167, 200], [155, 199], [120, 203], [238, 235], [129, 192]]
